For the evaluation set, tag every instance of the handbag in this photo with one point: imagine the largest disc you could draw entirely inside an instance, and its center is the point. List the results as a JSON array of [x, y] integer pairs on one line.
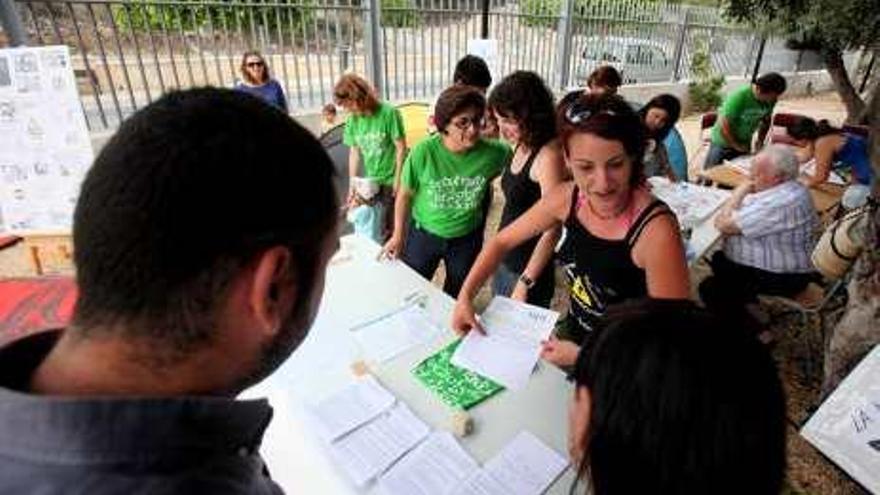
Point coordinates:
[[842, 242]]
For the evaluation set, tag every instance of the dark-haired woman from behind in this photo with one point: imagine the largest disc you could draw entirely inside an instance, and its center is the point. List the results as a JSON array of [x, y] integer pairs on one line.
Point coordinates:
[[524, 109], [668, 399], [832, 148]]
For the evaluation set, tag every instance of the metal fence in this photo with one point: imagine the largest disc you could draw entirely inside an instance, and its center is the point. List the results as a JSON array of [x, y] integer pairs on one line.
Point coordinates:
[[125, 53]]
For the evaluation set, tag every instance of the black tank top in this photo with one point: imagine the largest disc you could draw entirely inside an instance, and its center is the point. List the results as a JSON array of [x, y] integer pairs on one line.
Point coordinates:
[[601, 271], [520, 194]]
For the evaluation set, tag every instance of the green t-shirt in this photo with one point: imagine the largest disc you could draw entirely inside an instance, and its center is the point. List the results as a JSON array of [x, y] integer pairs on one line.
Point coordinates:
[[375, 135], [744, 112], [448, 188]]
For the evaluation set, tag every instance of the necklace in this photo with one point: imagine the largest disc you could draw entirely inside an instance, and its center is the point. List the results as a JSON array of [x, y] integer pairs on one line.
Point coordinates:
[[624, 209]]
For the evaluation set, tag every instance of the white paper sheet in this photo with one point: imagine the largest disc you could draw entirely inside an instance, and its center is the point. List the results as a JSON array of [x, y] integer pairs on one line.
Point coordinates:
[[692, 204], [389, 336], [351, 407], [435, 467], [846, 427], [369, 450], [525, 466], [509, 350], [809, 168]]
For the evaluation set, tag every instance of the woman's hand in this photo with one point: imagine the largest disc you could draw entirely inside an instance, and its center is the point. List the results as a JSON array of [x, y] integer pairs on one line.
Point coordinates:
[[393, 248], [559, 352], [464, 319]]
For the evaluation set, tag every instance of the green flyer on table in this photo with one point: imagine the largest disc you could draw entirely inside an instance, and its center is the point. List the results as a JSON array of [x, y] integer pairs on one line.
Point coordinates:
[[455, 386]]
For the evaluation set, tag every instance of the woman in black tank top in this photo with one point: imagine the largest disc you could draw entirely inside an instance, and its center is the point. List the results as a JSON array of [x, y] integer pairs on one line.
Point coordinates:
[[620, 242], [524, 109]]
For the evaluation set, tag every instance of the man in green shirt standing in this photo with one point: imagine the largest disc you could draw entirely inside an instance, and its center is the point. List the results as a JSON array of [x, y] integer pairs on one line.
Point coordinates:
[[438, 212], [744, 111]]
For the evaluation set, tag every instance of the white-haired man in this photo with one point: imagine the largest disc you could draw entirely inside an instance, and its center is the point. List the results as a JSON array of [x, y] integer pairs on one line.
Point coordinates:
[[768, 224]]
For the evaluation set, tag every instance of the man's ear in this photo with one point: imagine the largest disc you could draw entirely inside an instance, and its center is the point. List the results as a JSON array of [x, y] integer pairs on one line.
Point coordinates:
[[272, 289]]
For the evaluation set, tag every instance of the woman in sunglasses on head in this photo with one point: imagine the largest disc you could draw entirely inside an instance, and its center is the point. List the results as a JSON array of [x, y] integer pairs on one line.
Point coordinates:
[[256, 80], [620, 242], [438, 213]]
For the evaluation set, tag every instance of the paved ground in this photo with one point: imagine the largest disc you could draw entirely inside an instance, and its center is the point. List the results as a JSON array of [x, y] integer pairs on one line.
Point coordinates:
[[808, 471]]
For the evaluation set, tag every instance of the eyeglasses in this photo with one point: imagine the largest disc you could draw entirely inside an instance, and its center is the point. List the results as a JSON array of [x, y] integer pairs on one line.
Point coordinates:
[[465, 122], [578, 113], [254, 64]]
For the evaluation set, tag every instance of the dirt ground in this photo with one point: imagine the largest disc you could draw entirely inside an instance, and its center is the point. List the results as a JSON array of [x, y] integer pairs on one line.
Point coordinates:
[[808, 471]]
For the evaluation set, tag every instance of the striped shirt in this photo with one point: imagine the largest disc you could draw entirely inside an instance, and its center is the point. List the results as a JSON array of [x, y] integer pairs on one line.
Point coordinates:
[[778, 228]]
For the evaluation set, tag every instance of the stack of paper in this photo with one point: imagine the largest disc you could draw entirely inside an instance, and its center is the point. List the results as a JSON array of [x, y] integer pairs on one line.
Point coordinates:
[[371, 449], [526, 466], [435, 467], [389, 335], [351, 407], [509, 351], [691, 203]]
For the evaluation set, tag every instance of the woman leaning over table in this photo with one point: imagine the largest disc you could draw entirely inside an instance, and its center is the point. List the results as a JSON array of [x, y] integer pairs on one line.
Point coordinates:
[[524, 109], [620, 241], [438, 212], [375, 131]]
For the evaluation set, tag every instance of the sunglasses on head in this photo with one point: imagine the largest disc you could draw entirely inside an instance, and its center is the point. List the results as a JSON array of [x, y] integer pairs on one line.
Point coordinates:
[[578, 113]]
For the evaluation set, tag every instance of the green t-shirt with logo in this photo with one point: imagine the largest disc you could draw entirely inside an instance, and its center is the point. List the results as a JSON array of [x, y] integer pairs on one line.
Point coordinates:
[[375, 135], [744, 112], [448, 188]]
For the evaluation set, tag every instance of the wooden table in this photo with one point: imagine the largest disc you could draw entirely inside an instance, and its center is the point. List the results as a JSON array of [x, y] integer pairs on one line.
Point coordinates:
[[825, 196]]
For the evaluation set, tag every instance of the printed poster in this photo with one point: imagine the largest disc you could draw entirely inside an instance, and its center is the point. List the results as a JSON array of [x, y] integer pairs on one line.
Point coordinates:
[[44, 142]]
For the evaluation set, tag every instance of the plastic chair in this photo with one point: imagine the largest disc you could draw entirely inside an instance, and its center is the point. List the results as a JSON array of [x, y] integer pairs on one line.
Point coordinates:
[[338, 151], [696, 162], [415, 121], [779, 125]]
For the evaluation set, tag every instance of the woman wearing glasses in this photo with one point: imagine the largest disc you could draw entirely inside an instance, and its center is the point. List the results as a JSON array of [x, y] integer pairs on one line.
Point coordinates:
[[438, 212], [374, 131], [524, 109], [620, 242], [256, 80]]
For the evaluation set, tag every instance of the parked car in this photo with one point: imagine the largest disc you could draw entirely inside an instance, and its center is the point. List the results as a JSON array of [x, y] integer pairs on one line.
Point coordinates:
[[637, 59]]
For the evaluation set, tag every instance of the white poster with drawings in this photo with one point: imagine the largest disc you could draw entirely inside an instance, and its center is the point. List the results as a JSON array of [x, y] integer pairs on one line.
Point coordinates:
[[846, 427], [44, 142]]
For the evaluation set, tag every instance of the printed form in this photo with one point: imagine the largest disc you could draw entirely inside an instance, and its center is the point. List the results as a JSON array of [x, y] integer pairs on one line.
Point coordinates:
[[387, 336], [351, 407], [508, 352], [435, 467]]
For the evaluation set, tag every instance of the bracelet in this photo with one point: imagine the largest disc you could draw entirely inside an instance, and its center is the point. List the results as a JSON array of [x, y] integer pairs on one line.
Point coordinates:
[[527, 281]]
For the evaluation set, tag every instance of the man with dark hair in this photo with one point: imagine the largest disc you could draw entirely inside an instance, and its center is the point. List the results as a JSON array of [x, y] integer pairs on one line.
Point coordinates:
[[744, 111], [201, 245], [471, 70], [605, 79]]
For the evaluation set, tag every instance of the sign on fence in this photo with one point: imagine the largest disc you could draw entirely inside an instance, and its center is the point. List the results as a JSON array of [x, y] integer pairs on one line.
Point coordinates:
[[846, 428], [44, 143]]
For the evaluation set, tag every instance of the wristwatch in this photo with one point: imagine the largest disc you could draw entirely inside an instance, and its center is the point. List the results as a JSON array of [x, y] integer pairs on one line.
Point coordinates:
[[526, 280]]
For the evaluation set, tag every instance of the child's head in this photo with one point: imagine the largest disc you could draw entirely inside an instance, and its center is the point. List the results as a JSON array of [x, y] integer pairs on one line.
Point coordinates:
[[329, 112]]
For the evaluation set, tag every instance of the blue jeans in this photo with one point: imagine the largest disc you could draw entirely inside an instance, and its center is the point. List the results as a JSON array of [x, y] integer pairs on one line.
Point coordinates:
[[504, 281], [424, 250], [718, 154]]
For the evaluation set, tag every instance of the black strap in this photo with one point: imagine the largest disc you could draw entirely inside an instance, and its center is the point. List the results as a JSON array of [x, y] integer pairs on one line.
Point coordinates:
[[649, 213], [572, 210]]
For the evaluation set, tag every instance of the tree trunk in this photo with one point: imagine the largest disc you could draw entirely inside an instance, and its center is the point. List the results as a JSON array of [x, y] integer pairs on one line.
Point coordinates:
[[851, 100]]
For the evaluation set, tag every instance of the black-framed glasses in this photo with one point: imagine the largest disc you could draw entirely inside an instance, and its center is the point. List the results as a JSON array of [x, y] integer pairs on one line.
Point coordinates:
[[578, 113], [465, 122]]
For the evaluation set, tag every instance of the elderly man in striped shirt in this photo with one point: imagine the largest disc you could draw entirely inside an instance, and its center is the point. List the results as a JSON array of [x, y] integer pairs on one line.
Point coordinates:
[[768, 225]]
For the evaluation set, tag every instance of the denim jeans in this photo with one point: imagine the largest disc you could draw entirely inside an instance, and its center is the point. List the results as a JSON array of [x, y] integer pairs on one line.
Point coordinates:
[[718, 154], [504, 281], [424, 250]]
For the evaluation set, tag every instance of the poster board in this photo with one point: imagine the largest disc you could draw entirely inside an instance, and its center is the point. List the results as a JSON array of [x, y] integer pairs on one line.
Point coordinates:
[[45, 148], [846, 427]]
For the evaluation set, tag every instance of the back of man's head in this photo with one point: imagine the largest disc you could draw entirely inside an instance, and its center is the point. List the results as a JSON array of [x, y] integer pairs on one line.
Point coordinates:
[[472, 70], [188, 192], [771, 83]]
